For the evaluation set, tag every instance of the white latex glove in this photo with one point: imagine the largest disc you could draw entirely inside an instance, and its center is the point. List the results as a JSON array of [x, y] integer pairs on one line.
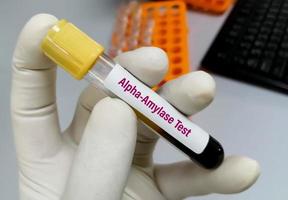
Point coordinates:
[[96, 157]]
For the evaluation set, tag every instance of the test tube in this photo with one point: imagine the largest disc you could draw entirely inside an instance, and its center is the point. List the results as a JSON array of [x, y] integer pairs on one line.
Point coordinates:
[[82, 57]]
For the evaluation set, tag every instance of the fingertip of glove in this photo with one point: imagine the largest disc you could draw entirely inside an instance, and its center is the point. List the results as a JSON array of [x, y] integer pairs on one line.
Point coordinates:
[[238, 174], [200, 89], [190, 93], [28, 53], [114, 109], [199, 84], [42, 18], [115, 117], [248, 170], [150, 64]]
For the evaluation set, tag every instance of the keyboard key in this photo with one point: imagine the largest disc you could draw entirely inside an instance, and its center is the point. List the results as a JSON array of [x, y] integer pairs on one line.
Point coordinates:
[[256, 52], [277, 32], [263, 37], [279, 68], [222, 55], [265, 66], [271, 46], [238, 60], [284, 9], [280, 25], [258, 17], [253, 30], [245, 45], [284, 46], [261, 11], [233, 33], [269, 54], [282, 18], [265, 30], [240, 20], [276, 4], [283, 54], [252, 63], [236, 27], [244, 53], [265, 5], [259, 44], [256, 24], [273, 11], [249, 38], [271, 17], [229, 41], [275, 39], [268, 23]]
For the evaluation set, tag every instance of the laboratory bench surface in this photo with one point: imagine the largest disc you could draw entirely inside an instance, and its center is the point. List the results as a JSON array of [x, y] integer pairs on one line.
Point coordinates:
[[248, 120]]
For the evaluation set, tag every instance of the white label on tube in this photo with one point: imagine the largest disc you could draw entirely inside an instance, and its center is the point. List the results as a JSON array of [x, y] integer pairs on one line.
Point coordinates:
[[149, 103]]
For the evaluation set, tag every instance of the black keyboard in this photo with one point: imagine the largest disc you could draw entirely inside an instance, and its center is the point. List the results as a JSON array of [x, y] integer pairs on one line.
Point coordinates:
[[253, 44]]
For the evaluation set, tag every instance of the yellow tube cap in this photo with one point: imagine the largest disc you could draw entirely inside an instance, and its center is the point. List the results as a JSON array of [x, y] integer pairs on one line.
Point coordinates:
[[71, 49]]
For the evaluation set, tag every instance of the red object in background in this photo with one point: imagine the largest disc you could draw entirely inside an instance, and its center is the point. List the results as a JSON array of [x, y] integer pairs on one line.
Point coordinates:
[[211, 6]]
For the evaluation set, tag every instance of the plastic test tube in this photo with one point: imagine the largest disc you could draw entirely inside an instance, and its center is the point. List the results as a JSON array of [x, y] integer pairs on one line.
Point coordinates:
[[82, 57]]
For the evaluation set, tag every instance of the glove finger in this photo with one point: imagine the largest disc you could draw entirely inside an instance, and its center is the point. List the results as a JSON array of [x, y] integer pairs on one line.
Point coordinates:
[[146, 139], [33, 106], [88, 98], [149, 64], [183, 179], [140, 186], [190, 93], [103, 159]]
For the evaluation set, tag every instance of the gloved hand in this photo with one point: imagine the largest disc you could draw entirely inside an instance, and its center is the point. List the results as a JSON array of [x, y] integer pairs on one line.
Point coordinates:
[[104, 154]]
